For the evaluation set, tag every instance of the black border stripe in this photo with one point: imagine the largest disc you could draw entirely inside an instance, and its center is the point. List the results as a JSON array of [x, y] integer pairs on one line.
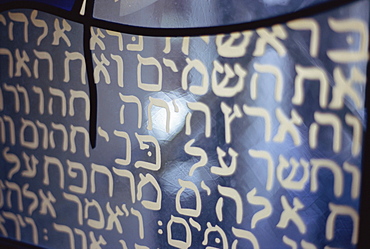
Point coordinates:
[[88, 19]]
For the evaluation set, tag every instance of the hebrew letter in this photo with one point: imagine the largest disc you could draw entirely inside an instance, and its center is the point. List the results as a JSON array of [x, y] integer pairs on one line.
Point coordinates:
[[356, 134], [81, 95], [14, 187], [102, 170], [195, 151], [130, 176], [290, 214], [2, 130], [82, 130], [290, 242], [42, 56], [152, 205], [271, 69], [198, 201], [199, 106], [233, 194], [21, 63], [159, 103], [311, 74], [11, 132], [288, 126], [150, 61], [39, 91], [326, 119], [2, 228], [58, 93], [120, 68], [18, 17], [46, 203], [35, 237], [263, 113], [350, 26], [95, 244], [127, 160], [135, 100], [60, 32], [5, 51], [40, 24], [67, 230], [177, 242], [34, 143], [99, 223], [100, 68], [210, 228], [30, 195], [270, 165], [12, 89], [72, 166], [45, 141], [229, 49], [12, 159], [311, 25], [54, 161], [356, 179], [244, 234], [229, 118], [75, 199], [13, 217], [289, 182], [113, 218], [267, 37], [260, 201], [220, 88], [318, 164], [140, 220], [119, 37], [61, 128], [136, 47], [23, 90], [225, 170], [71, 56], [142, 139], [343, 87], [95, 39], [83, 237], [201, 68], [339, 210]]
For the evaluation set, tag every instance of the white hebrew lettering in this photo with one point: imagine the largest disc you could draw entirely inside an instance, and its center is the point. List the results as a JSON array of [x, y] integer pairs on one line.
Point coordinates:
[[291, 214], [225, 170], [81, 95], [34, 143], [201, 68], [350, 25], [53, 161], [177, 242], [220, 88], [77, 201], [195, 151], [58, 93], [83, 131], [311, 74], [267, 37], [340, 210], [60, 32], [311, 25], [30, 195], [263, 113], [289, 182], [98, 223], [229, 49], [42, 56], [193, 212], [100, 68], [135, 100], [261, 201], [18, 17], [77, 166], [46, 205], [144, 180], [95, 39], [270, 165], [288, 126], [71, 56], [95, 168], [150, 61], [142, 139], [40, 24]]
